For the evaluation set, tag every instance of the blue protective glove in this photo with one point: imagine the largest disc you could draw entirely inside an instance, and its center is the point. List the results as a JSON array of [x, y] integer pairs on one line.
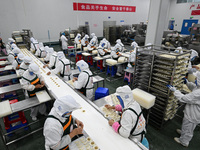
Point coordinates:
[[196, 82], [172, 88], [185, 80]]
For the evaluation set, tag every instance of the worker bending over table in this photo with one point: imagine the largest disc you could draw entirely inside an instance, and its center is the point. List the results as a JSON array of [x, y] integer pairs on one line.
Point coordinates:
[[105, 44], [85, 41], [32, 81], [52, 61], [84, 82], [115, 55], [62, 67], [132, 123], [24, 65], [17, 62], [60, 127]]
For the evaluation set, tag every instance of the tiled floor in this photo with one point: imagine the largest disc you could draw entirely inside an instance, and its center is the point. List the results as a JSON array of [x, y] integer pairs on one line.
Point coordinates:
[[158, 139]]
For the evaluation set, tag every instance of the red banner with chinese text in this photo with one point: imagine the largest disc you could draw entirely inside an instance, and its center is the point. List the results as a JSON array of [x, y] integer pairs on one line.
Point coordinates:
[[195, 12], [102, 7]]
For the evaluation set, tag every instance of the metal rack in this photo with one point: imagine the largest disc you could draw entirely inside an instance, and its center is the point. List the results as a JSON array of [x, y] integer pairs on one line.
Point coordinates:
[[156, 67]]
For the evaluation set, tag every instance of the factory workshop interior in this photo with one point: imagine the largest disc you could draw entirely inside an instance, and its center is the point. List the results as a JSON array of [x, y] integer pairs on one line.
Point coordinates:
[[100, 75]]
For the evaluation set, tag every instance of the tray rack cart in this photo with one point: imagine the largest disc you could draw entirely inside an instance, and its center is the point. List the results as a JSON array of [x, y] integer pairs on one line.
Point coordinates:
[[156, 67]]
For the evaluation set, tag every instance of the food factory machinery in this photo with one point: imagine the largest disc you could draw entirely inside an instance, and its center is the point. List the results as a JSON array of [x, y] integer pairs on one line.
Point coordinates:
[[156, 67], [22, 38]]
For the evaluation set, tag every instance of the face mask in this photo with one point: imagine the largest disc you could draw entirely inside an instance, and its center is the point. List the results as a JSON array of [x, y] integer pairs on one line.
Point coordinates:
[[103, 45], [31, 73], [66, 115], [196, 82], [20, 61], [193, 58]]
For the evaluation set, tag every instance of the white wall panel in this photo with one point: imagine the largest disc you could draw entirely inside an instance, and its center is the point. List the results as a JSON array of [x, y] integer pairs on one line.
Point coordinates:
[[57, 15], [180, 12]]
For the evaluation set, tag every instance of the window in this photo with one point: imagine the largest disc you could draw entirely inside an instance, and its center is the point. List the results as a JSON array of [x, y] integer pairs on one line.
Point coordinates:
[[187, 1]]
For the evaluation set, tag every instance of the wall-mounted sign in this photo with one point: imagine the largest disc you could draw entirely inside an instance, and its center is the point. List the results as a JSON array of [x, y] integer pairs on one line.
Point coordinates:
[[197, 7], [102, 7]]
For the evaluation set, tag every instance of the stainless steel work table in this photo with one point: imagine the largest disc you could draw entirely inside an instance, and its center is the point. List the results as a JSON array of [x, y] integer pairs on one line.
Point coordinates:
[[100, 58], [3, 57], [8, 77], [110, 65], [10, 88]]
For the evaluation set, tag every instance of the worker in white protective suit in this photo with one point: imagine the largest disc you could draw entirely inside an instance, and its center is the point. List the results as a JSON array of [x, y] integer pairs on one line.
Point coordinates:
[[32, 81], [62, 67], [102, 52], [34, 45], [115, 55], [24, 65], [191, 69], [105, 44], [17, 62], [77, 39], [192, 110], [179, 50], [12, 55], [8, 45], [119, 45], [53, 61], [64, 41], [132, 57], [41, 52], [60, 127], [93, 44], [132, 123], [49, 52], [84, 82], [92, 36], [85, 40]]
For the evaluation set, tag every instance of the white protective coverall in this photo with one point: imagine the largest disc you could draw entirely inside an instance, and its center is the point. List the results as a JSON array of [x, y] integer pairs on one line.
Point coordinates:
[[114, 54], [77, 39], [131, 59], [179, 50], [53, 60], [41, 52], [119, 45], [12, 55], [93, 43], [17, 62], [102, 53], [53, 129], [85, 79], [129, 118], [64, 41], [24, 65], [191, 112], [30, 87], [193, 54], [63, 67], [85, 40], [34, 44], [49, 51], [13, 45], [105, 44]]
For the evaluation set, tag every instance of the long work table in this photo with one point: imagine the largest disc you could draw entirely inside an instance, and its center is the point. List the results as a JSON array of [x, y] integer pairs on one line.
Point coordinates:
[[95, 124]]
